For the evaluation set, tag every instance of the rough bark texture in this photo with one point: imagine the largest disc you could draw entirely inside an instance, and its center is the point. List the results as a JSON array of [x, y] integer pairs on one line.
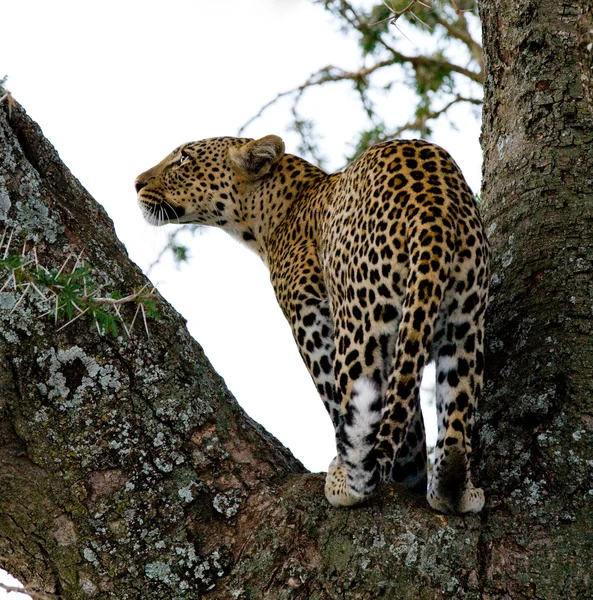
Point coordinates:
[[537, 415], [128, 471]]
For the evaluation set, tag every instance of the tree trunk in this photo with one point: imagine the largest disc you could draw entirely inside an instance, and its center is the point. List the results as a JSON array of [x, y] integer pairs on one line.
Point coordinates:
[[537, 414], [128, 471]]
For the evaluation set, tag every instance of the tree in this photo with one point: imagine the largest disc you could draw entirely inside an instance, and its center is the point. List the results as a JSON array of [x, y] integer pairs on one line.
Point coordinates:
[[444, 71], [128, 471]]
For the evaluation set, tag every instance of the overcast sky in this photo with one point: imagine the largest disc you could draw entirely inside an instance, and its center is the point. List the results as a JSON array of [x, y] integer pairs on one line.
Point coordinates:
[[116, 85]]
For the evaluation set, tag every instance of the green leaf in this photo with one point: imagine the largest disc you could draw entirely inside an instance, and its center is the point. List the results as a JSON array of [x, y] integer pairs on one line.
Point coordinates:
[[376, 24]]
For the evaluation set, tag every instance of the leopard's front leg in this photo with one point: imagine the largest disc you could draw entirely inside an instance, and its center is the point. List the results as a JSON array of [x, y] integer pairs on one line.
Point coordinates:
[[313, 331]]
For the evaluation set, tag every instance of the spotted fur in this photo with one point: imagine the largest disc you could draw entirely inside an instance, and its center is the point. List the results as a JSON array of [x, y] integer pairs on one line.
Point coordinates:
[[378, 269]]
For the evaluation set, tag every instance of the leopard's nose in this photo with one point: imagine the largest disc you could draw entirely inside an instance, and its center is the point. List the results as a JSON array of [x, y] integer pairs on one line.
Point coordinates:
[[139, 185]]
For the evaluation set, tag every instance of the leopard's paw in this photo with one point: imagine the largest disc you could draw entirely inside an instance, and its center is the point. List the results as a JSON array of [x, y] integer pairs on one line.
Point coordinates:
[[470, 500], [337, 490]]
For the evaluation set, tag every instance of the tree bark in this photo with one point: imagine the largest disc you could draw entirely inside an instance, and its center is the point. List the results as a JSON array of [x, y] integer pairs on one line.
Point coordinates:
[[536, 433], [128, 471]]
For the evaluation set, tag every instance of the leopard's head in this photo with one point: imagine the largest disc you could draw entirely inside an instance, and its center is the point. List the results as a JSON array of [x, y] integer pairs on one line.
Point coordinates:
[[201, 182]]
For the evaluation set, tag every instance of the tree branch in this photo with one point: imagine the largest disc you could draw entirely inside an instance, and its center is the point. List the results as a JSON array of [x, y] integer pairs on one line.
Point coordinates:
[[328, 74], [460, 32], [356, 22], [419, 123]]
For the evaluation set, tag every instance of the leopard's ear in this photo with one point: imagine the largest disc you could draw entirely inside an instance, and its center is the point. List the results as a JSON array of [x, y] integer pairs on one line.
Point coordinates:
[[254, 159]]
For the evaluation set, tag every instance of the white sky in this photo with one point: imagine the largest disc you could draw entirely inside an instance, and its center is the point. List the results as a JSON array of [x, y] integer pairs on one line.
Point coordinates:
[[116, 85]]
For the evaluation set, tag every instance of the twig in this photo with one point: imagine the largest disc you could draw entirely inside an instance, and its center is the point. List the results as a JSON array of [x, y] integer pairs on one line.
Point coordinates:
[[396, 14], [134, 318], [144, 318], [65, 263], [66, 290], [80, 314], [419, 123], [39, 292], [326, 75], [116, 308], [415, 16], [459, 11], [119, 301], [78, 260], [8, 244], [21, 298]]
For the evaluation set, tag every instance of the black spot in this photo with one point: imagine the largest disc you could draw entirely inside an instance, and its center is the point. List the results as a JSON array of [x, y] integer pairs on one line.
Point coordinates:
[[389, 313], [470, 343], [479, 363], [309, 319], [457, 425], [355, 371], [447, 350], [352, 356], [462, 401], [301, 333], [419, 318], [377, 311], [317, 339], [369, 351], [384, 291], [462, 367], [461, 330], [453, 379], [404, 389], [412, 348], [407, 368], [399, 414], [470, 303]]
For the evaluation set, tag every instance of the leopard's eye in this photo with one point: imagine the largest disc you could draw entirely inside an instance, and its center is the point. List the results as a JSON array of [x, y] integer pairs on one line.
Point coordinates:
[[183, 158]]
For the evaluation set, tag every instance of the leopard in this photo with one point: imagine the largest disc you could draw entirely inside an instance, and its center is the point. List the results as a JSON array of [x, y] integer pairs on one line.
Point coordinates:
[[379, 269]]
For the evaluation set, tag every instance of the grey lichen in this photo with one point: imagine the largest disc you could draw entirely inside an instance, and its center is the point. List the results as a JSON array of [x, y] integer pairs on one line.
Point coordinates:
[[5, 202], [158, 570], [56, 386], [33, 216], [227, 504], [186, 493]]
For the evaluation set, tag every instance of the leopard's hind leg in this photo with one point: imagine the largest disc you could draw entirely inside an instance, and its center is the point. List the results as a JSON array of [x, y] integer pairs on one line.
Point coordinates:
[[460, 364]]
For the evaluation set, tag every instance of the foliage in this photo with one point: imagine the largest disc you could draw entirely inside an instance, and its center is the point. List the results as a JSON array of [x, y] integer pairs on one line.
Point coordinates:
[[445, 67], [70, 293]]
